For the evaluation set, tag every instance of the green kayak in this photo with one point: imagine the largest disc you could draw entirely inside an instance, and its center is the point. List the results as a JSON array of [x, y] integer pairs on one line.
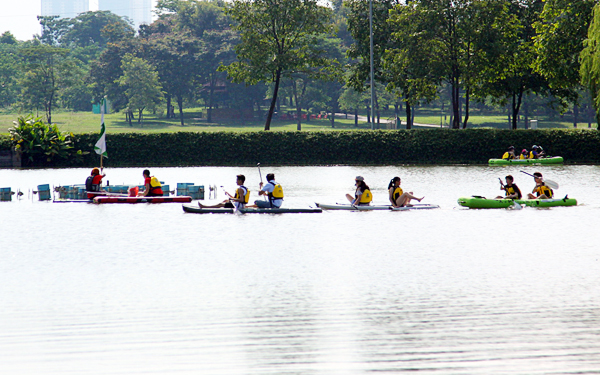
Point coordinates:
[[481, 202], [552, 160]]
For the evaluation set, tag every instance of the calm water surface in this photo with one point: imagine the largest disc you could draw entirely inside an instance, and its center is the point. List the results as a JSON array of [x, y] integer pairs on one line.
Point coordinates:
[[147, 289]]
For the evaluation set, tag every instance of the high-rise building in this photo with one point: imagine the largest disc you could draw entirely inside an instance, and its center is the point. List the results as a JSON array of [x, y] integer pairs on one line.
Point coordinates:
[[64, 8], [139, 11]]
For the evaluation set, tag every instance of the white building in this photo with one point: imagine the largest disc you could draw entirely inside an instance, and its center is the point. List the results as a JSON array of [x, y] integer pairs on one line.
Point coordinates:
[[139, 11], [64, 8]]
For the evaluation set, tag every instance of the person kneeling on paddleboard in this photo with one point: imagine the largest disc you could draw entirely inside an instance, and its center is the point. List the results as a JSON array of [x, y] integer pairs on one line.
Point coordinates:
[[511, 189], [398, 197], [540, 190], [152, 187], [273, 190], [237, 201], [362, 195]]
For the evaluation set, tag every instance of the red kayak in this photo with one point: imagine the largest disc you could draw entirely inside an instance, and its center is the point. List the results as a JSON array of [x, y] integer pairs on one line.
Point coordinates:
[[176, 199]]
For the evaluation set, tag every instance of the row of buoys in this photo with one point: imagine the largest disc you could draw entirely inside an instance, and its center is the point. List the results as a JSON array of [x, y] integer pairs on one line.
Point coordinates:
[[78, 192]]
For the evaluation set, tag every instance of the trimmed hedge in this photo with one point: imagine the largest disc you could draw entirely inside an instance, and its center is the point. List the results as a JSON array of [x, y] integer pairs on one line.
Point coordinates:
[[380, 147]]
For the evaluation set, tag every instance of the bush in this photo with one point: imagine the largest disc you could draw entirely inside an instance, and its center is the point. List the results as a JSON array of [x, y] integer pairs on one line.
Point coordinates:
[[41, 144], [380, 147]]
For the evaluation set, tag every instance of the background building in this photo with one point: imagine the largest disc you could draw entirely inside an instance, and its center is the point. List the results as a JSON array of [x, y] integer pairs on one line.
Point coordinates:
[[139, 11], [64, 8]]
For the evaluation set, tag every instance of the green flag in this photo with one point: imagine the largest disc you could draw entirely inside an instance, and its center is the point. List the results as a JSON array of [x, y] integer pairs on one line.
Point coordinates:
[[100, 146]]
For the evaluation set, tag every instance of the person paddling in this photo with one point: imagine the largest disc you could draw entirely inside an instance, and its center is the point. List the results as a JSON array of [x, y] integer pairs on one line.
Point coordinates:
[[509, 154], [398, 197], [152, 187], [237, 201], [94, 181], [273, 191], [511, 190], [540, 190], [362, 195]]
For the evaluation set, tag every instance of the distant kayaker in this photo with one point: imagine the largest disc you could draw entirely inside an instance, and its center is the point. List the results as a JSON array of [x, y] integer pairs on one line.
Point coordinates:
[[535, 153], [94, 181], [540, 190], [237, 201], [152, 187], [362, 195], [273, 191], [509, 154], [398, 197], [524, 154], [511, 189]]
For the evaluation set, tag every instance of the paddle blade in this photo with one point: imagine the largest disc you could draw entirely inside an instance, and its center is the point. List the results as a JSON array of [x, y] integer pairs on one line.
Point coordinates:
[[552, 184]]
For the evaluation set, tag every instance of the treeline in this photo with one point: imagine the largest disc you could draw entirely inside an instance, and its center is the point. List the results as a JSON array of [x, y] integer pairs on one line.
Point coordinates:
[[314, 58]]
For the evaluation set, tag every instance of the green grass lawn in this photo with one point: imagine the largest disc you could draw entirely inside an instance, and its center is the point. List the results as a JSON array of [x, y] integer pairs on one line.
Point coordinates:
[[195, 120]]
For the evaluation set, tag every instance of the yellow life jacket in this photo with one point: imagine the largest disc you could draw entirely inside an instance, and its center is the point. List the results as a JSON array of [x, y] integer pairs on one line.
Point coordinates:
[[522, 157], [543, 189], [246, 196], [531, 155], [366, 196], [507, 156], [154, 183], [277, 192], [397, 192]]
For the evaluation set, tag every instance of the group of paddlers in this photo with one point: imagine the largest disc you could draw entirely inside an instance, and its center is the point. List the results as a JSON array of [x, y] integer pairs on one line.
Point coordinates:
[[512, 191], [535, 153], [152, 186]]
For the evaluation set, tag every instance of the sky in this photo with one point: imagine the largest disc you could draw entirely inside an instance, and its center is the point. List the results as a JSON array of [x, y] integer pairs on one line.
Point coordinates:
[[20, 17]]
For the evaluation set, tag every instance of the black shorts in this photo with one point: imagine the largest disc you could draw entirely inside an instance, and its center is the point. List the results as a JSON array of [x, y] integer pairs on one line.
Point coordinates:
[[229, 205]]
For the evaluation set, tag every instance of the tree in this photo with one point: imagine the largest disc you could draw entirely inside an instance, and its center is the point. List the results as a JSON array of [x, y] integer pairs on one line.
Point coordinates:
[[8, 38], [590, 62], [9, 73], [90, 28], [277, 37], [40, 83], [141, 84], [561, 30]]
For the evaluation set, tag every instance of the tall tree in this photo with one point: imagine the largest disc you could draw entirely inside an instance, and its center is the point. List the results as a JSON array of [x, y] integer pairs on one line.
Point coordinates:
[[277, 37], [561, 30], [590, 62], [141, 83], [40, 83]]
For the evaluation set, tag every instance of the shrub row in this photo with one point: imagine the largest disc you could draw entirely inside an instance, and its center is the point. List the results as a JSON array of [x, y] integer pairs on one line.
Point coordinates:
[[474, 146]]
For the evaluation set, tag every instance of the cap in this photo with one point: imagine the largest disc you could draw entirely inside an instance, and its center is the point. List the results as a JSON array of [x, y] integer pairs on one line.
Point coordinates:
[[534, 146], [524, 151], [511, 147], [359, 178]]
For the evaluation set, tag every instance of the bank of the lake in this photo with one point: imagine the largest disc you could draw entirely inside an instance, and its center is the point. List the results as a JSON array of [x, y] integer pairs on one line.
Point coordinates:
[[364, 147]]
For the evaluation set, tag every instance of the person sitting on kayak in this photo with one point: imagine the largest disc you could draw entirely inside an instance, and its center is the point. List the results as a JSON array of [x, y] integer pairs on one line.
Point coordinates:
[[152, 187], [541, 153], [534, 152], [237, 201], [524, 154], [94, 181], [509, 154], [398, 197], [271, 189], [362, 195], [511, 189], [540, 190]]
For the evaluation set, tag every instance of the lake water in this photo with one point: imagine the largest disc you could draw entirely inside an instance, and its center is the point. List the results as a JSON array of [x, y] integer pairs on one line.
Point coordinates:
[[148, 289]]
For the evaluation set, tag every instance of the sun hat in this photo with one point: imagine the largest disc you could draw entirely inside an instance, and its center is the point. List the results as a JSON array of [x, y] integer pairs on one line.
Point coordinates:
[[359, 178]]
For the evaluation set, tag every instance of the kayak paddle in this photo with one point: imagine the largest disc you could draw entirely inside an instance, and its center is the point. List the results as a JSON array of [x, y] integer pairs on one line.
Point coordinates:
[[552, 184]]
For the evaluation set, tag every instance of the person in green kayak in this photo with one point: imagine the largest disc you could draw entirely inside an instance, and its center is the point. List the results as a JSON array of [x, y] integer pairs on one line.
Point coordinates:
[[509, 154], [237, 201], [511, 190], [398, 197], [540, 190], [362, 195]]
